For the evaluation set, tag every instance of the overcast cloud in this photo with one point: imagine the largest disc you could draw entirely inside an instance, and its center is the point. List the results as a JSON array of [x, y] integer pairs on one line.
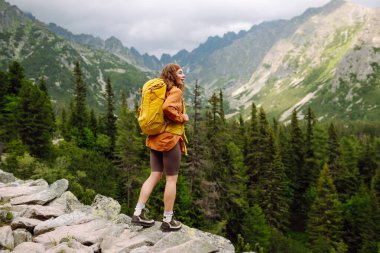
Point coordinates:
[[165, 26]]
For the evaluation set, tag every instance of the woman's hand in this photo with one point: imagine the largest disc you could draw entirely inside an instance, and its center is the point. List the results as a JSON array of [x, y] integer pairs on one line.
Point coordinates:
[[185, 117]]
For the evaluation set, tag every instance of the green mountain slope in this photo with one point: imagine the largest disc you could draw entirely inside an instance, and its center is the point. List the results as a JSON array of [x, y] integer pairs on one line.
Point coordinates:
[[327, 58], [44, 54], [330, 63]]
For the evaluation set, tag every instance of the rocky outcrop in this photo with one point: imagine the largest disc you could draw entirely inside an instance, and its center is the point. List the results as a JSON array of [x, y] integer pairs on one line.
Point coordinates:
[[38, 217]]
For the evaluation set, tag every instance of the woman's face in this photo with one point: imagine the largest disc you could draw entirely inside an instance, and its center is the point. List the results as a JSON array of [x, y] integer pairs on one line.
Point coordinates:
[[180, 76]]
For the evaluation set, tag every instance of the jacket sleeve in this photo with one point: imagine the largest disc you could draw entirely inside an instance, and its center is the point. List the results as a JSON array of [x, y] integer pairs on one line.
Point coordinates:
[[173, 106]]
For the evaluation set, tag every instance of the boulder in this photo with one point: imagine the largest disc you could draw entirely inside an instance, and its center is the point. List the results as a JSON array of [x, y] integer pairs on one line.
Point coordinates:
[[76, 217], [194, 245], [14, 191], [55, 190], [88, 233], [124, 243], [123, 218], [6, 237], [70, 246], [21, 235], [105, 207], [41, 212], [69, 203], [6, 177], [22, 222], [30, 247]]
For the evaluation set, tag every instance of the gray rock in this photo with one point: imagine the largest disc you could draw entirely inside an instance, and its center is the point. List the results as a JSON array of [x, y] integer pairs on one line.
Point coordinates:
[[124, 243], [69, 203], [6, 237], [21, 235], [154, 233], [224, 245], [143, 249], [88, 233], [14, 191], [41, 212], [123, 218], [105, 207], [65, 224], [76, 217], [16, 211], [171, 239], [6, 177], [22, 222], [30, 247], [195, 245], [55, 190], [70, 246]]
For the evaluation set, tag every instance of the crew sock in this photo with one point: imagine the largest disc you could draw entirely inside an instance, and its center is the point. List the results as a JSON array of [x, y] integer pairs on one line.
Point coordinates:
[[139, 208], [168, 215]]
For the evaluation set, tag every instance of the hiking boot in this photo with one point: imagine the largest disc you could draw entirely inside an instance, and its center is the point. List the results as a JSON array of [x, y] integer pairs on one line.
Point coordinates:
[[142, 219], [173, 225]]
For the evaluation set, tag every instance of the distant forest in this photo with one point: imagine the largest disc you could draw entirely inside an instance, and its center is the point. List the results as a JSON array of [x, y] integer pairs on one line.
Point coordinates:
[[304, 186]]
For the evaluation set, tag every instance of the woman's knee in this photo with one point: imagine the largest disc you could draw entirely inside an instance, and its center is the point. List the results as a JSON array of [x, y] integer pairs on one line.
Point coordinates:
[[155, 176], [171, 178]]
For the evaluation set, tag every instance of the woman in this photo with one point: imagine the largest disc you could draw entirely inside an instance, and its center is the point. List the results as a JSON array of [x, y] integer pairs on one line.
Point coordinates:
[[165, 151]]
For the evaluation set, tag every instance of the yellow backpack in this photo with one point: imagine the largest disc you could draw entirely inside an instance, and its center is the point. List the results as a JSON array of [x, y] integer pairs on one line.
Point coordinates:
[[151, 118]]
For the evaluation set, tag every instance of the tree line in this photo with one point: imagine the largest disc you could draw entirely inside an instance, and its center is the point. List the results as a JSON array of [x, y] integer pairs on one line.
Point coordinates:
[[304, 186]]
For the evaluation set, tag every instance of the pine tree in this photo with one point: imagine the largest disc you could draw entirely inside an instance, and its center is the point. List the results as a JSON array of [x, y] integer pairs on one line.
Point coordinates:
[[16, 77], [216, 170], [367, 164], [235, 185], [221, 107], [375, 202], [273, 186], [242, 136], [35, 121], [11, 83], [110, 117], [296, 173], [79, 118], [255, 230], [4, 83], [64, 125], [345, 181], [251, 158], [93, 124], [295, 170], [43, 87], [375, 184], [334, 162], [127, 150], [360, 226], [214, 101], [195, 159], [325, 218], [311, 170]]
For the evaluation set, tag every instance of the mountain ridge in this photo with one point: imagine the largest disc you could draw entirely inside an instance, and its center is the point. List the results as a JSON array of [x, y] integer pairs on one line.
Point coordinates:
[[281, 65]]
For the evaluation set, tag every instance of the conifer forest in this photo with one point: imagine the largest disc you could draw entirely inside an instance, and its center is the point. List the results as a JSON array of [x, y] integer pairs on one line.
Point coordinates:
[[305, 185]]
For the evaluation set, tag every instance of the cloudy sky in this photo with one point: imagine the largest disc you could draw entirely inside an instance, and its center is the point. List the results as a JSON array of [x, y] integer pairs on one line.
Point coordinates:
[[165, 26]]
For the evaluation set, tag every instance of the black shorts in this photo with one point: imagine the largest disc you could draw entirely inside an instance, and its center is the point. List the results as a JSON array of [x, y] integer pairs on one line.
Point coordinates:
[[168, 161]]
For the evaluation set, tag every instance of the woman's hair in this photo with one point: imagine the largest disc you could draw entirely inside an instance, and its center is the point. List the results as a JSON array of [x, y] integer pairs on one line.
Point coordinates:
[[169, 75]]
